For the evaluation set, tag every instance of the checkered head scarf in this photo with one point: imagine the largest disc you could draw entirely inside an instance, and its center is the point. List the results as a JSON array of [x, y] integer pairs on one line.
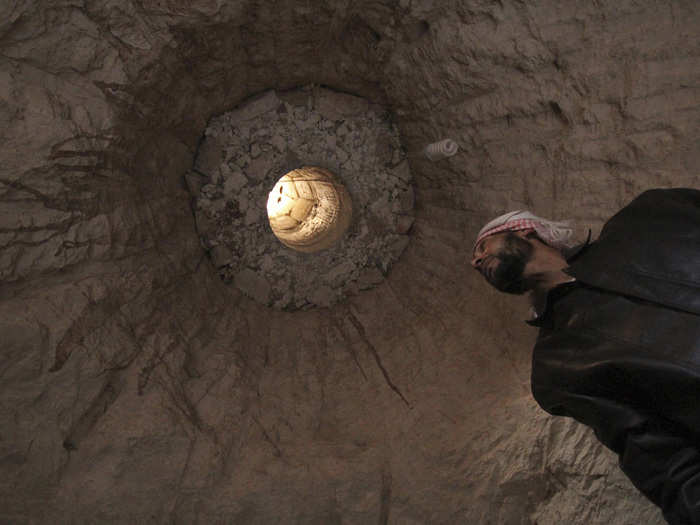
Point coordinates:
[[556, 234]]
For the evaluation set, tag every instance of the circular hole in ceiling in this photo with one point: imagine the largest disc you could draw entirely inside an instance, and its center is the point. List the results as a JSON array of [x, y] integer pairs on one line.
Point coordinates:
[[309, 209], [349, 211]]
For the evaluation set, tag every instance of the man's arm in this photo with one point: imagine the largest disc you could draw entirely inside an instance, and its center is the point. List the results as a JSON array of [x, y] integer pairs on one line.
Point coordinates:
[[665, 467], [661, 459]]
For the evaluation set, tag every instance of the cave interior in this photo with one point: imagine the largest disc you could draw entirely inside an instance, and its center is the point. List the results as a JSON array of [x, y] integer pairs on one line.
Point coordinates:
[[142, 383]]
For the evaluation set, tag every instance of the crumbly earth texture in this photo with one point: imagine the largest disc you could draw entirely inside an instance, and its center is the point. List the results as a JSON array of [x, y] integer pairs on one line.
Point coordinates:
[[243, 154], [137, 388]]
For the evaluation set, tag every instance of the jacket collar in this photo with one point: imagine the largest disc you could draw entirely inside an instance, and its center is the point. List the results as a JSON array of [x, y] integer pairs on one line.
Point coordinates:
[[541, 303]]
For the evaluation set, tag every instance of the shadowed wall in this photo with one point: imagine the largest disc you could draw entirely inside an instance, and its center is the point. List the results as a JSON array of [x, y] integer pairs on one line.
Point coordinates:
[[136, 388]]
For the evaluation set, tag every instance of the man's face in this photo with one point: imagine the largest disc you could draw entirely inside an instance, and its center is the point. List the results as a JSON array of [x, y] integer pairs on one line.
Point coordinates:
[[501, 258]]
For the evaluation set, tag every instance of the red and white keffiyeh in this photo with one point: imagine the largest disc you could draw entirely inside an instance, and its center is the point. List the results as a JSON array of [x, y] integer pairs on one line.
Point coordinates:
[[556, 234]]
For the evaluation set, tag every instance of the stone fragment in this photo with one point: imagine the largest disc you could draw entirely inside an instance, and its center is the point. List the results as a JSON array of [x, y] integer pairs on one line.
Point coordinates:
[[402, 171], [384, 149], [404, 223], [260, 167], [380, 207], [340, 270], [321, 295], [253, 285], [369, 278], [194, 182], [279, 143], [205, 226], [335, 106], [220, 255], [342, 155], [407, 200], [284, 301], [252, 216], [130, 30], [209, 156], [243, 202], [256, 106], [233, 182], [396, 155], [398, 245], [267, 263], [310, 122]]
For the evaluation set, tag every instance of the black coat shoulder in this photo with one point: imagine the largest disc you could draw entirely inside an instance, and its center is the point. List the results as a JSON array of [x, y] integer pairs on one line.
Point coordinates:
[[650, 250]]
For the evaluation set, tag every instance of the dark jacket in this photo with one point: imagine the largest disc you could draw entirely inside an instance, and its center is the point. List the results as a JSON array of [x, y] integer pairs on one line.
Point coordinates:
[[619, 349]]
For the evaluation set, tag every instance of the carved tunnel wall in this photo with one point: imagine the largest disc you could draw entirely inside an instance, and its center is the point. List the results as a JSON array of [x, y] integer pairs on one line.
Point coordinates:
[[135, 388]]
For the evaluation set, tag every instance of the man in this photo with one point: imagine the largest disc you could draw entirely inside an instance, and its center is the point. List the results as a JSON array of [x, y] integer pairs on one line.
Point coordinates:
[[619, 341]]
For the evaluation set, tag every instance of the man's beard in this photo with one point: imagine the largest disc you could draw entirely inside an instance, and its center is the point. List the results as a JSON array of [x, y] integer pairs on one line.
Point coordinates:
[[507, 276]]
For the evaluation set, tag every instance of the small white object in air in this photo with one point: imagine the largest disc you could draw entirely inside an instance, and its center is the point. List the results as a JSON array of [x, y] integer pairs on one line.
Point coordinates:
[[441, 150]]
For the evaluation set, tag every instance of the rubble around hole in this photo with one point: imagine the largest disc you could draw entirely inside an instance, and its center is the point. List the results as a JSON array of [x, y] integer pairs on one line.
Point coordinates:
[[243, 154]]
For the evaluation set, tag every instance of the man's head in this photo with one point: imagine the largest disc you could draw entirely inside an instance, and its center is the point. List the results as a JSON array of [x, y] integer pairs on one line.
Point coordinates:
[[502, 257], [514, 250]]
